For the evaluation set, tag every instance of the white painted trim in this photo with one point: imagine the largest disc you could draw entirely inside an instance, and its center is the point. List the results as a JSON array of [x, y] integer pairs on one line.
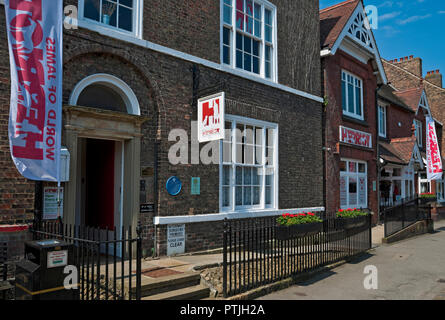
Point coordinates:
[[345, 33], [354, 77], [113, 82], [230, 216], [190, 58]]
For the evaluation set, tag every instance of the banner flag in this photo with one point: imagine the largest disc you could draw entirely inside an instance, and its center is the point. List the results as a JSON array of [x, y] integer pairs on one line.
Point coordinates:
[[35, 48], [433, 158]]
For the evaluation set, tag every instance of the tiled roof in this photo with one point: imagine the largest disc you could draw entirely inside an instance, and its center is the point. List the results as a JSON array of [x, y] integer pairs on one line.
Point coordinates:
[[333, 20], [387, 93], [411, 97], [399, 150]]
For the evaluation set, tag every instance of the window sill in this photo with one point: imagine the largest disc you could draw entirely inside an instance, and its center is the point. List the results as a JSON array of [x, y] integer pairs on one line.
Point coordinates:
[[103, 29], [354, 120]]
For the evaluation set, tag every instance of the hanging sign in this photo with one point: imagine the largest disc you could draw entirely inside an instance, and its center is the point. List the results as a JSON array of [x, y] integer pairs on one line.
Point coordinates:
[[433, 160], [34, 31], [355, 137], [211, 118]]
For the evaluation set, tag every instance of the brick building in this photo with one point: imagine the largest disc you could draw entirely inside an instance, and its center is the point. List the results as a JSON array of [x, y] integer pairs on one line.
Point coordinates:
[[351, 72], [133, 75], [425, 96]]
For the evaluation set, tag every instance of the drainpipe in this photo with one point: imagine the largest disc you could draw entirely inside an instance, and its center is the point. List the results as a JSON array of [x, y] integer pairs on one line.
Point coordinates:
[[378, 148]]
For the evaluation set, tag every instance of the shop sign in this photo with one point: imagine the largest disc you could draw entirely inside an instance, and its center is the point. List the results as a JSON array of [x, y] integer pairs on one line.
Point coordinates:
[[211, 118], [433, 159], [355, 137]]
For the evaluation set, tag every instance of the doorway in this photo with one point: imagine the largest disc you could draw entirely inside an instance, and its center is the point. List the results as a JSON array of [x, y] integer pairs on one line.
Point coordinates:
[[99, 195]]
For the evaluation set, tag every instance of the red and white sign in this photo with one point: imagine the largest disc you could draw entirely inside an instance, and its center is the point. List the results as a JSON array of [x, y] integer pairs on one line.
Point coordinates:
[[433, 160], [355, 137], [211, 118], [35, 48]]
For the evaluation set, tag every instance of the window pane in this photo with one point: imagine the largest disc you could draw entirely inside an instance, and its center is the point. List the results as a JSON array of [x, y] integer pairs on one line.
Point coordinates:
[[240, 14], [227, 152], [343, 166], [268, 17], [247, 44], [258, 28], [125, 19], [247, 196], [109, 13], [351, 108], [249, 154], [127, 3], [249, 7], [227, 14], [358, 103], [352, 191], [257, 12], [361, 168], [238, 196], [226, 197], [227, 174], [256, 48], [91, 11], [256, 195], [255, 177], [249, 25], [239, 59], [226, 36], [247, 176], [268, 34], [239, 41], [268, 195], [352, 167], [256, 65], [239, 176], [247, 62], [226, 55]]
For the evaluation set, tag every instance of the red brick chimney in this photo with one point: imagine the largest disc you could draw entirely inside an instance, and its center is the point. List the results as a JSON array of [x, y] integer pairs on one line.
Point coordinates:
[[435, 77], [411, 64]]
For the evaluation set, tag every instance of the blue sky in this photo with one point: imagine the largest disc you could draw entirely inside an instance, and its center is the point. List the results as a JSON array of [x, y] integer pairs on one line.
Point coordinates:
[[414, 27]]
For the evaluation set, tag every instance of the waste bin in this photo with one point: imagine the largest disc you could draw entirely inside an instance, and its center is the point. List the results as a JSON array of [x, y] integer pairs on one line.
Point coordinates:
[[40, 276]]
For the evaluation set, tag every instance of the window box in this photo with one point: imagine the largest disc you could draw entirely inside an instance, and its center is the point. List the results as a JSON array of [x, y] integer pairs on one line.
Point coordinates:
[[427, 198], [297, 231]]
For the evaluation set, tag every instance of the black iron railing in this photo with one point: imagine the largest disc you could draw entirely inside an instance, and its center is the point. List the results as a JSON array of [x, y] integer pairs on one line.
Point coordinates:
[[404, 214], [253, 255], [108, 261]]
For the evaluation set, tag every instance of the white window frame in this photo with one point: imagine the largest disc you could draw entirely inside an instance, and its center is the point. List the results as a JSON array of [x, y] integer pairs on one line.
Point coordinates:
[[423, 181], [440, 190], [346, 112], [419, 135], [382, 111], [233, 208], [274, 67], [356, 175], [99, 27]]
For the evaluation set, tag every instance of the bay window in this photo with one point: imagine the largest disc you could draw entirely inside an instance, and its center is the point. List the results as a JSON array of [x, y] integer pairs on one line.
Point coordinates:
[[248, 169], [120, 15], [352, 95], [248, 36], [353, 184]]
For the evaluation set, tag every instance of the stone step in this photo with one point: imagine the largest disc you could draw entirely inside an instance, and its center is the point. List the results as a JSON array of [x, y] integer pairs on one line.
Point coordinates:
[[155, 286], [196, 292]]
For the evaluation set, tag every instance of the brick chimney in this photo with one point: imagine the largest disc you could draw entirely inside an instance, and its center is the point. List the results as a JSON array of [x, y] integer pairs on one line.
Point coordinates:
[[435, 77], [411, 64]]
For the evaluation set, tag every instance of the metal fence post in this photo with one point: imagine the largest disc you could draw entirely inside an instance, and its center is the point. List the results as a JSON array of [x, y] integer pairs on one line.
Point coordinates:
[[226, 224], [138, 261], [370, 231]]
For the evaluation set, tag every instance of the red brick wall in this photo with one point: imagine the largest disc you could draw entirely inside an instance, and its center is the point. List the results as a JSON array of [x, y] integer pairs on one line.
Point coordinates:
[[394, 116], [334, 119]]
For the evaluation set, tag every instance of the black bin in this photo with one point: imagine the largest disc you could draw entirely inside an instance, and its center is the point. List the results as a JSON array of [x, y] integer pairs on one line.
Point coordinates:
[[40, 276]]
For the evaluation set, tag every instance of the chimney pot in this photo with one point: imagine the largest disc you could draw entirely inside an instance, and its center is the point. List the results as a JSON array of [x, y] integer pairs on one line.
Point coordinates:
[[406, 58], [410, 57], [437, 71]]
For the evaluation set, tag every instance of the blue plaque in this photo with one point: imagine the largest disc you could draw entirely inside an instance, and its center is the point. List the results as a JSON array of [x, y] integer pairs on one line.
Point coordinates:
[[196, 186], [174, 186]]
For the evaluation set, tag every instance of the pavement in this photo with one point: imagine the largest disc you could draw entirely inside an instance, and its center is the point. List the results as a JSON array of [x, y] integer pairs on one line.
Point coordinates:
[[412, 269]]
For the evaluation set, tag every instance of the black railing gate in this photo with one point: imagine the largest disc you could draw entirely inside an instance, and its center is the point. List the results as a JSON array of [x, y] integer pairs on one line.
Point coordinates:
[[108, 261]]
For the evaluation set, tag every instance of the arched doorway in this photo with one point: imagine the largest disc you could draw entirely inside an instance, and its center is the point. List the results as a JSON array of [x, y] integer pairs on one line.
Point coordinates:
[[102, 132]]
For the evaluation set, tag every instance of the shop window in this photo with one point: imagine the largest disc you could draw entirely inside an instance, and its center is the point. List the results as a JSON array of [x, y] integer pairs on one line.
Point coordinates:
[[249, 153], [353, 185], [248, 38], [120, 15], [352, 95], [424, 184], [441, 190]]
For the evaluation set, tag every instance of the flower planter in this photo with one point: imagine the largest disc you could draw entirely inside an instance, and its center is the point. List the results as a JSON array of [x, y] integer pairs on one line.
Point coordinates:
[[352, 223], [427, 200], [297, 231]]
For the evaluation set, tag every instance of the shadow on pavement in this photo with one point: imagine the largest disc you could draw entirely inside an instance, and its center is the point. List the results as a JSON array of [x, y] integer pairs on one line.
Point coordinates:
[[316, 278], [361, 258], [440, 229]]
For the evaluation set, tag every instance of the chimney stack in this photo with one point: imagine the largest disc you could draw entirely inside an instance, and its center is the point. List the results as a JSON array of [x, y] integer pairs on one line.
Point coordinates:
[[434, 77], [411, 64]]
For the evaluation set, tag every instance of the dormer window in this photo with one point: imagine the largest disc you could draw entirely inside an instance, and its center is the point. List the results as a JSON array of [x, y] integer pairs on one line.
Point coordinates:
[[248, 37]]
